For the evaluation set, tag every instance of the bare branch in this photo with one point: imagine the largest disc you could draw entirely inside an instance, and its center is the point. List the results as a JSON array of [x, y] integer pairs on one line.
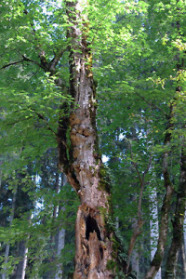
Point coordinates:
[[30, 60], [11, 64], [24, 58], [53, 63]]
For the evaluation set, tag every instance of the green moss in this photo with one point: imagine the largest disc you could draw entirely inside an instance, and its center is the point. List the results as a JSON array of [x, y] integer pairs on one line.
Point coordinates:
[[111, 265], [95, 104], [92, 169], [116, 245], [103, 211], [104, 183]]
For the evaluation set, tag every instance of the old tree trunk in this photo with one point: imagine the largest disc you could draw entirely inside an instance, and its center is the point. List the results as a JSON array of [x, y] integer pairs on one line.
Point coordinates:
[[82, 165]]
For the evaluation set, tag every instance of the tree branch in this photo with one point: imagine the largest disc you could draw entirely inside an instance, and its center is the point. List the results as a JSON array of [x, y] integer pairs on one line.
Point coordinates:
[[11, 64], [53, 63], [24, 58], [30, 60]]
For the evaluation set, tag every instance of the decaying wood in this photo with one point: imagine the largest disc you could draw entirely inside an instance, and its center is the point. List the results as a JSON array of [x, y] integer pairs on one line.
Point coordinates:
[[83, 165]]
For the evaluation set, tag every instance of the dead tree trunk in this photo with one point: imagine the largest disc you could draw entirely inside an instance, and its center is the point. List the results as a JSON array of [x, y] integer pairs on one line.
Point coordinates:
[[79, 155]]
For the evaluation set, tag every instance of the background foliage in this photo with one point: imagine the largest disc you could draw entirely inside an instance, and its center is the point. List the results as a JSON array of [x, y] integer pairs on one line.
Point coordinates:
[[138, 52]]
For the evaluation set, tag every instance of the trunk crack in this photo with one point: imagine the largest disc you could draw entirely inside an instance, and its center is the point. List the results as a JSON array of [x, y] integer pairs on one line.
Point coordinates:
[[91, 226]]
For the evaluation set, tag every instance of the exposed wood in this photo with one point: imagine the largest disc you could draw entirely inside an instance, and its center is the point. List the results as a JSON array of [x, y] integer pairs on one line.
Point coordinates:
[[85, 170]]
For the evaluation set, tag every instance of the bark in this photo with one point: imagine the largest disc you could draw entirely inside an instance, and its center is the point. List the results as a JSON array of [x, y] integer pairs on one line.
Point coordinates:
[[181, 194], [84, 168], [177, 223], [184, 241], [184, 260], [21, 267], [7, 249], [154, 227], [60, 237], [79, 157], [165, 210], [60, 246], [20, 271], [135, 262]]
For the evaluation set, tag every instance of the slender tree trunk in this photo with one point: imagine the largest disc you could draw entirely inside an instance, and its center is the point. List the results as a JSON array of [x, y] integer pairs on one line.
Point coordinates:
[[21, 267], [60, 237], [138, 223], [85, 170], [184, 242], [135, 262], [183, 251], [154, 227], [165, 210], [178, 222], [60, 247], [20, 271], [7, 249], [181, 194]]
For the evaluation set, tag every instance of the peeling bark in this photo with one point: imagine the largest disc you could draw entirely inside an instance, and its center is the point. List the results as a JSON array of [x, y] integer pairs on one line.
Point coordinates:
[[83, 166]]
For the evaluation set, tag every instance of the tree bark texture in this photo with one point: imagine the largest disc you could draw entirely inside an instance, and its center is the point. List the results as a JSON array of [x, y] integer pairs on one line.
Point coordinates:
[[21, 267], [178, 222], [60, 236], [60, 242], [85, 171], [154, 226]]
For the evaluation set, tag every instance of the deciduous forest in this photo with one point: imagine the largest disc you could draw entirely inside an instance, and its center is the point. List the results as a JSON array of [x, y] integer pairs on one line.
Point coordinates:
[[92, 157]]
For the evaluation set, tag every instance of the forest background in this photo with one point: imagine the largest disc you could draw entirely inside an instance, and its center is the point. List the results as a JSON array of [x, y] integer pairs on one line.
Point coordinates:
[[138, 53]]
